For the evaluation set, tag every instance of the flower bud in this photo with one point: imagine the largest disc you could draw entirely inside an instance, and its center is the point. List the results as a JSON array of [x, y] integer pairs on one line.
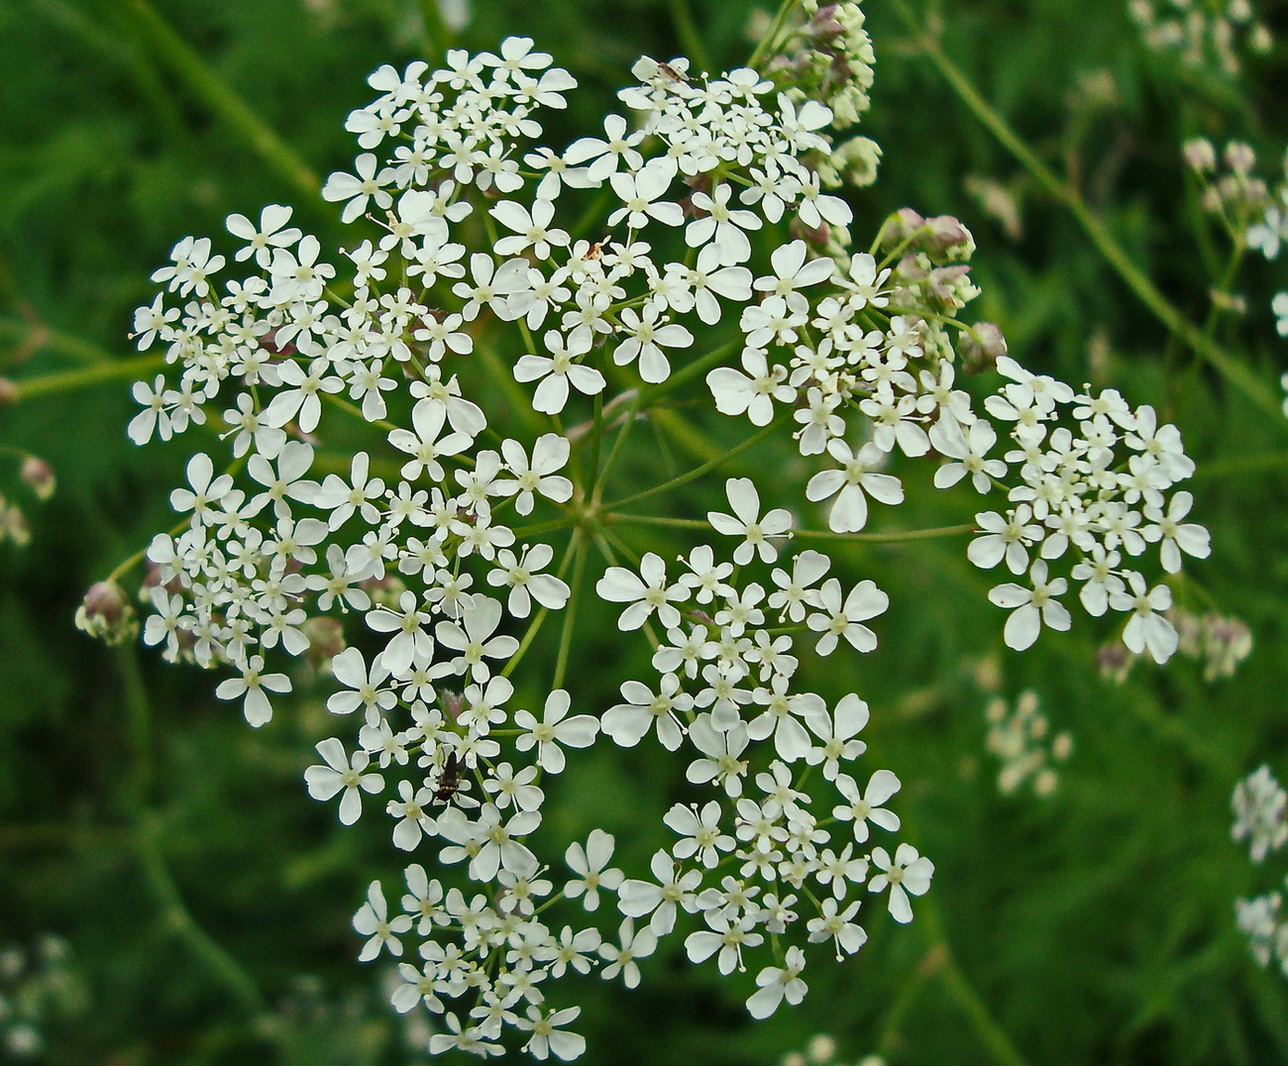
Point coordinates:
[[38, 476], [1240, 157], [8, 392], [1200, 154], [981, 347], [106, 613], [13, 524], [326, 640]]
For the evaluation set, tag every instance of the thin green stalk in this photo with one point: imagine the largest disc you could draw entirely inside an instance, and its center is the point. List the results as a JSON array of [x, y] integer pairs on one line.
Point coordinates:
[[895, 536], [892, 537], [697, 472], [686, 29], [686, 436], [179, 921], [570, 613], [628, 422], [963, 993], [776, 27], [176, 917], [904, 1000], [574, 546], [201, 79], [689, 371], [438, 35], [657, 520], [35, 337], [97, 374], [1234, 372]]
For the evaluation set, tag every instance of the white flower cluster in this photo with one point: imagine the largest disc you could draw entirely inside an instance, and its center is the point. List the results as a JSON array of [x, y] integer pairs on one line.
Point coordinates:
[[1260, 813], [1213, 34], [1094, 498], [1261, 817], [435, 545], [41, 989], [1021, 740], [268, 551]]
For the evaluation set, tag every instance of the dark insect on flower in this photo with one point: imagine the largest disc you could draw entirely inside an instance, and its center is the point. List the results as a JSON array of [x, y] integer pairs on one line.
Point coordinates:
[[449, 781], [672, 73]]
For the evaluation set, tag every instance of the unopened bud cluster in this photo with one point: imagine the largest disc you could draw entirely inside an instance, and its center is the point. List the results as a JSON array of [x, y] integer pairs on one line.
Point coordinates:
[[37, 481], [1021, 739], [1261, 818], [1218, 643], [1217, 36], [41, 991]]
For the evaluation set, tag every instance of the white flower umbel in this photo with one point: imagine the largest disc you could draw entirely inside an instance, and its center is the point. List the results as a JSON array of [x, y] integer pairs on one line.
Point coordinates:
[[423, 439]]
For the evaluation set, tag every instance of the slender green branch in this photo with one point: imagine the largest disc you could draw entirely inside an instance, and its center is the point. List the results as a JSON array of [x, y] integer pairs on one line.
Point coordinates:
[[176, 917], [686, 29], [570, 611], [963, 993], [658, 520], [1234, 372], [226, 105], [697, 472], [97, 374], [776, 27], [438, 35], [891, 537], [894, 536], [33, 337], [180, 922]]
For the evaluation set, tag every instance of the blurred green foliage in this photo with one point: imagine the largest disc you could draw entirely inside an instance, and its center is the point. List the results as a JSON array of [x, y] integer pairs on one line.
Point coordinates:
[[1095, 925]]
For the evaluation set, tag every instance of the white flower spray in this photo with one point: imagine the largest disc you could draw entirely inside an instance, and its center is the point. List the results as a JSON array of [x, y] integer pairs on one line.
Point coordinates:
[[443, 547]]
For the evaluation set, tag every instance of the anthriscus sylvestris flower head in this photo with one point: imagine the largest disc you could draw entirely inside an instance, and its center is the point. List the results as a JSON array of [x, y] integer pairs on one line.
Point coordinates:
[[491, 354]]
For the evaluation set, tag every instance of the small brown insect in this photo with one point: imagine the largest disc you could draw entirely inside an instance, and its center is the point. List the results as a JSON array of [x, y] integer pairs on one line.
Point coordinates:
[[449, 781], [671, 72]]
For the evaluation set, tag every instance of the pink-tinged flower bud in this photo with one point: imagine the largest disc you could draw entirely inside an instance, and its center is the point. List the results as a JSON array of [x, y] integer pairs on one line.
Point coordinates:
[[1200, 154], [326, 639], [106, 613], [38, 476], [899, 227], [1114, 662], [453, 704], [1240, 157], [981, 348]]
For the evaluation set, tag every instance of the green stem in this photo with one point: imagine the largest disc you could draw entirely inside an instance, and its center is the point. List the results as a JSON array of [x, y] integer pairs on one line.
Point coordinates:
[[97, 374], [697, 472], [179, 921], [686, 29], [175, 916], [1234, 372], [438, 35], [227, 106], [892, 537], [37, 337], [776, 27], [963, 993], [565, 636]]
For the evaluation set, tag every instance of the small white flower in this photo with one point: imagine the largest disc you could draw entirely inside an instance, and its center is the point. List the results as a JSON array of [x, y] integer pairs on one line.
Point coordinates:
[[1032, 608], [554, 729], [757, 533], [345, 773], [906, 873]]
